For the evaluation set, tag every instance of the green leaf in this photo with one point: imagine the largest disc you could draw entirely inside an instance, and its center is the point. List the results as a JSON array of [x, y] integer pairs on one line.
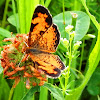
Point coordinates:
[[81, 27], [93, 89], [58, 19], [29, 94], [43, 91], [1, 2], [19, 91], [47, 2], [94, 85], [4, 88], [5, 33], [12, 21], [55, 91]]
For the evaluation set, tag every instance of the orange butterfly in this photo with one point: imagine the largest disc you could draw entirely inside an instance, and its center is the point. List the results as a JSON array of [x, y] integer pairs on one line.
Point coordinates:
[[43, 40]]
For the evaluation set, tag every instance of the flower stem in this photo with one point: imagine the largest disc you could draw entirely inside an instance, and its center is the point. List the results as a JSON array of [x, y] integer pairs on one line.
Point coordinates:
[[11, 93], [70, 59], [82, 52], [5, 13], [64, 18]]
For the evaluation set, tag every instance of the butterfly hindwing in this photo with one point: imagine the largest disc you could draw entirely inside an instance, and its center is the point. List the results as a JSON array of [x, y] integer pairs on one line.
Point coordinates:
[[49, 63]]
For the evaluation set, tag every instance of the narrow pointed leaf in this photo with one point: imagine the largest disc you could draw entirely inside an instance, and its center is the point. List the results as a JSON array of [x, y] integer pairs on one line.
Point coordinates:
[[55, 91]]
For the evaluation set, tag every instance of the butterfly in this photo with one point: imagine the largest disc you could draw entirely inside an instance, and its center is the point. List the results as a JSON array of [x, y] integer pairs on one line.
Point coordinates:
[[43, 40]]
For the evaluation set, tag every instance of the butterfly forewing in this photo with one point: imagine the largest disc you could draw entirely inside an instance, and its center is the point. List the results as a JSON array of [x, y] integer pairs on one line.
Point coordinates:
[[40, 23], [49, 40]]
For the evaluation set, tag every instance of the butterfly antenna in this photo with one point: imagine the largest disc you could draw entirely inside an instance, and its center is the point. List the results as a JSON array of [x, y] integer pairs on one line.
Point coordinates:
[[26, 44], [21, 58], [23, 54]]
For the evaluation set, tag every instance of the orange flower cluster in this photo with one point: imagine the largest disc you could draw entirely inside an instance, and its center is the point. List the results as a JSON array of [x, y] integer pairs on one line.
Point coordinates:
[[18, 65]]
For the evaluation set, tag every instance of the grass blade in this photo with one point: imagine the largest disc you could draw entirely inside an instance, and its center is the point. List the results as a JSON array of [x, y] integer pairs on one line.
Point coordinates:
[[5, 33], [30, 93], [15, 17], [25, 12], [43, 93]]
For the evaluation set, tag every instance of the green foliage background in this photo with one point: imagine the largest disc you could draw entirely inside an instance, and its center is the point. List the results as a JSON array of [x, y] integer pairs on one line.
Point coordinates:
[[82, 86]]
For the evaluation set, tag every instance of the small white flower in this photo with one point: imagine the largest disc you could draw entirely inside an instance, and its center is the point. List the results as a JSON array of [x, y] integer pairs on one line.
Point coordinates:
[[77, 44], [74, 15], [65, 71], [72, 33], [67, 68], [61, 39], [69, 28], [65, 41], [67, 53]]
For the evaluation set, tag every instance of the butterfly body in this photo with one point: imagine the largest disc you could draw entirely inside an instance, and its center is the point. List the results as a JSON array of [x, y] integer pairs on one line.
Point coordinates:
[[43, 40], [34, 51]]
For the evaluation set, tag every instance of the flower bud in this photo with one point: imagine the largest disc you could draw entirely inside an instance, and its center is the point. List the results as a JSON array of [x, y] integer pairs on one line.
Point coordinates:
[[65, 41], [77, 44], [74, 15], [88, 36], [72, 34], [69, 28]]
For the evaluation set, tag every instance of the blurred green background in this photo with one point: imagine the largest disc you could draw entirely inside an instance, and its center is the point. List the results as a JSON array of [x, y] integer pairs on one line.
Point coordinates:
[[15, 16]]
